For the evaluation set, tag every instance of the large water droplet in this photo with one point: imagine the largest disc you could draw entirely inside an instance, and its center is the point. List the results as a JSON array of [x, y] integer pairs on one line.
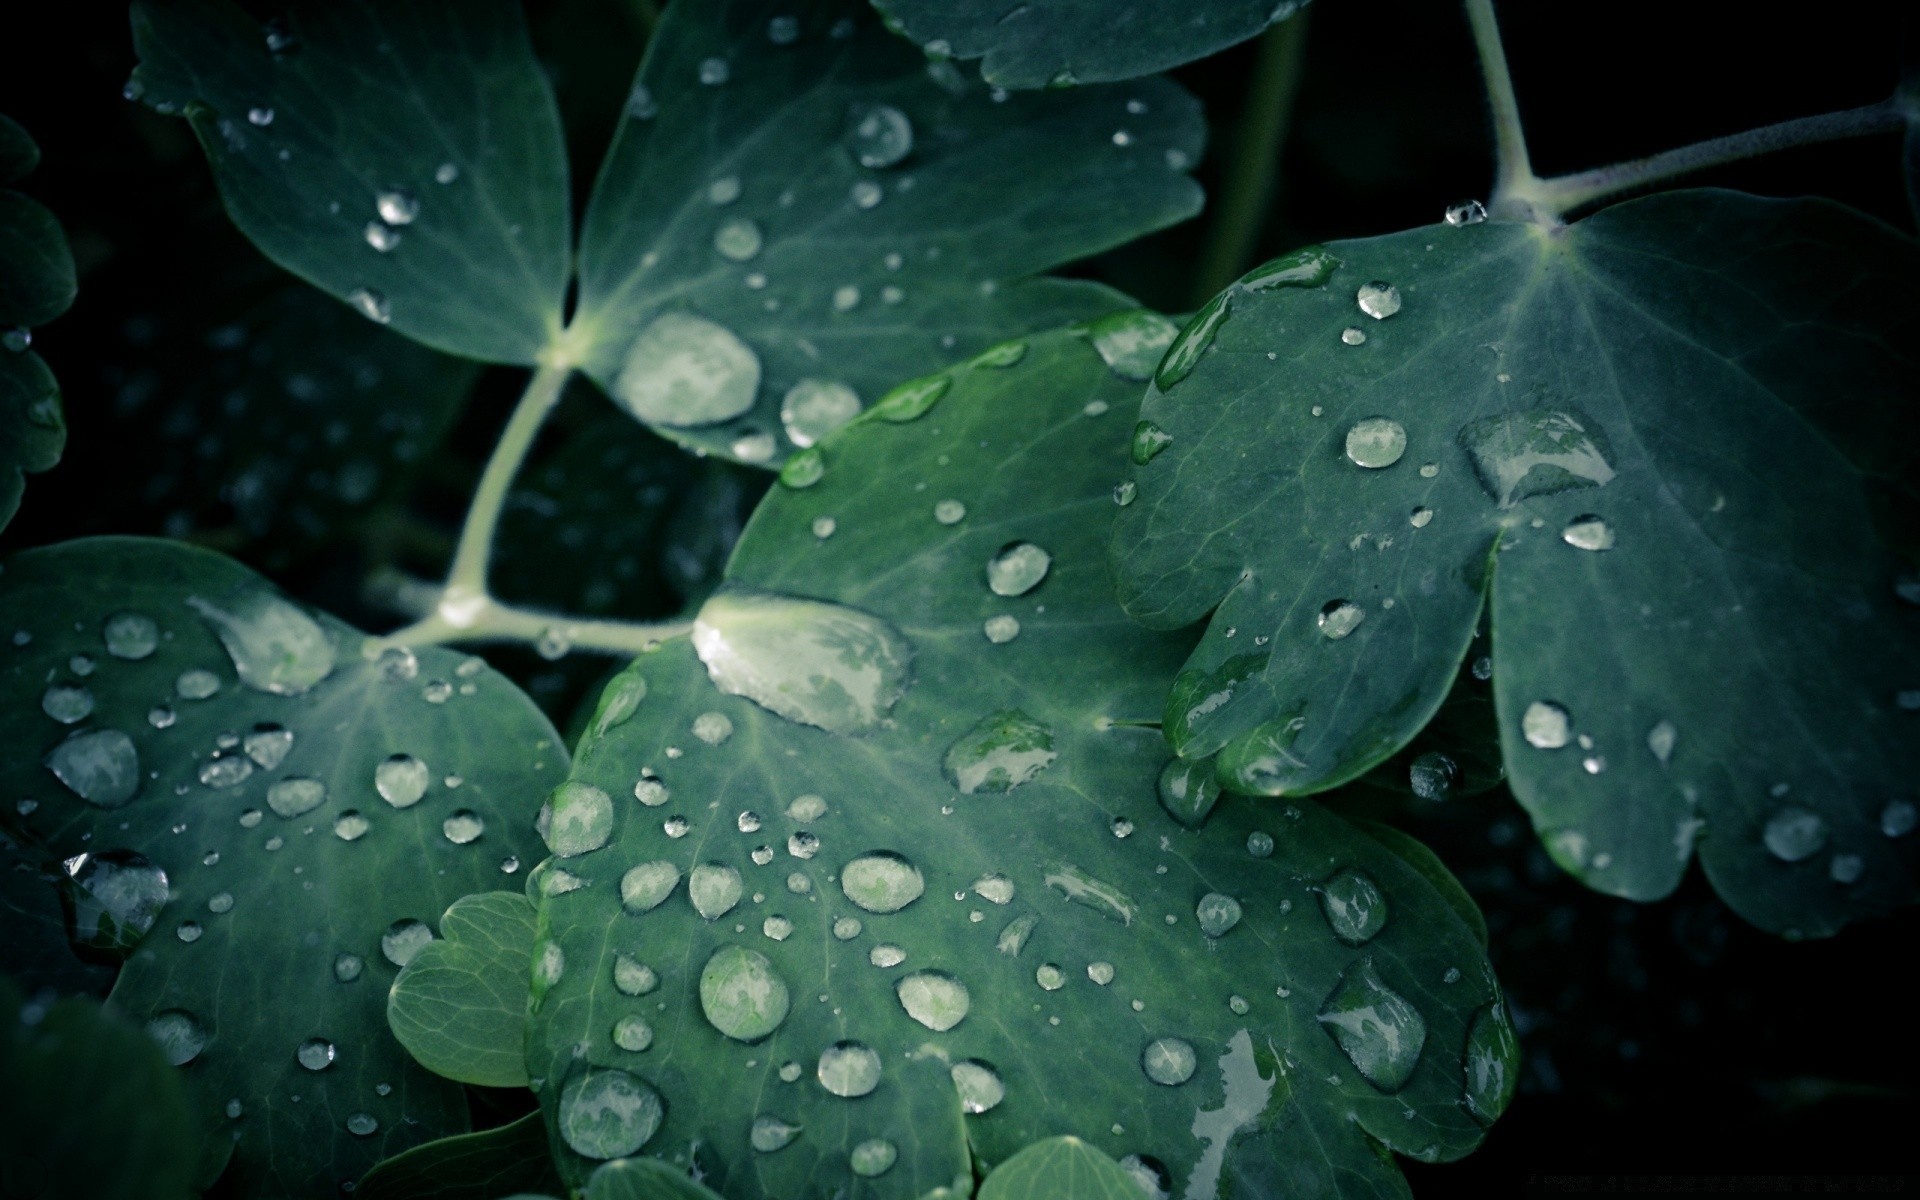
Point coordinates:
[[820, 664], [1354, 908], [100, 766], [275, 647], [1588, 532], [933, 998], [879, 136], [742, 995], [1376, 442], [463, 827], [1338, 618], [1187, 348], [1380, 1032], [579, 819], [1467, 212], [1132, 343], [1001, 752], [1188, 790], [633, 977], [295, 795], [813, 408], [1546, 725], [1793, 834], [849, 1069], [875, 1156], [401, 780], [737, 239], [607, 1113], [404, 939], [643, 887], [113, 899], [770, 1133], [1017, 569], [1432, 776], [1083, 889], [1168, 1061], [882, 882], [1492, 1054], [1307, 267], [130, 635], [684, 370], [316, 1054], [179, 1034], [714, 889], [1378, 299], [1217, 912], [632, 1033], [979, 1085], [67, 703], [1537, 453]]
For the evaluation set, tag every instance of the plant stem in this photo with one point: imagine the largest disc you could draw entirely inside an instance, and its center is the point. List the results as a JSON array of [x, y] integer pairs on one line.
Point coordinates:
[[469, 572], [1247, 194], [484, 619], [1563, 193], [1513, 177]]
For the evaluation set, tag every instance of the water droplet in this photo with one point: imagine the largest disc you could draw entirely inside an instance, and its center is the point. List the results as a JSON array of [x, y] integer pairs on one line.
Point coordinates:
[[846, 928], [401, 780], [607, 1113], [949, 512], [1168, 1061], [737, 239], [1132, 343], [179, 1034], [1050, 977], [978, 1084], [911, 400], [1793, 834], [1353, 335], [463, 827], [783, 31], [446, 172], [1121, 827], [372, 304], [1378, 299], [1001, 629], [100, 766], [1148, 441], [1217, 913], [813, 408], [1124, 492], [351, 826], [362, 1124], [802, 844], [714, 889], [347, 967], [275, 647], [632, 1033], [130, 635], [886, 955], [1307, 267], [879, 136], [268, 745], [404, 939], [1188, 790], [1017, 569], [1546, 725], [643, 887], [316, 1054], [1432, 776], [225, 771], [882, 882], [1338, 618], [933, 998], [295, 795], [875, 1156], [397, 206], [1001, 752], [1380, 1032], [649, 791], [1376, 442], [578, 819], [1467, 212], [1354, 908], [715, 71], [1188, 346], [1898, 818], [848, 1069], [67, 703], [770, 1133], [382, 238], [1588, 532], [864, 193], [1492, 1054], [712, 728], [1661, 739], [1846, 868], [113, 900], [188, 931], [742, 995], [1537, 453], [196, 684], [819, 664], [684, 370]]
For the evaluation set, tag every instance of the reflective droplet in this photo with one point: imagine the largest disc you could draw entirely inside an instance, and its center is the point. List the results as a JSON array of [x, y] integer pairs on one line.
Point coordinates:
[[1378, 299], [1467, 212], [275, 647], [1493, 1053], [875, 1156], [1001, 752], [578, 819], [347, 967], [632, 1033], [1376, 442], [1050, 977], [1168, 1061], [1124, 492], [380, 236], [1017, 569], [1307, 267], [401, 780], [1353, 335], [1217, 913], [113, 899], [316, 1054], [130, 635], [813, 408], [1338, 618], [463, 827], [1083, 889], [865, 193], [1793, 834], [1353, 906], [1378, 1029], [742, 995], [949, 512], [372, 304], [737, 239], [714, 889], [879, 136], [1546, 725], [1132, 343], [933, 998], [1013, 938], [404, 939], [1588, 533], [362, 1124], [848, 1069], [268, 745], [1432, 776], [979, 1085], [1260, 844], [67, 703], [712, 728], [643, 887], [886, 956], [1148, 441], [225, 771], [351, 826], [179, 1034], [771, 1133], [295, 795], [606, 1113], [911, 400], [196, 683], [1537, 453], [633, 977], [1846, 868], [650, 791], [100, 766], [882, 882], [188, 931], [1898, 818], [1001, 629], [1188, 790], [1661, 739], [397, 206], [1420, 518], [684, 370], [819, 664]]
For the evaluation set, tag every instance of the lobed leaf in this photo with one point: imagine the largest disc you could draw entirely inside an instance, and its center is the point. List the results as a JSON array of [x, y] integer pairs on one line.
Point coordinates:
[[1060, 43], [798, 960], [405, 158], [260, 822], [1657, 451], [798, 211], [1061, 1168], [469, 1166], [459, 1006], [36, 285]]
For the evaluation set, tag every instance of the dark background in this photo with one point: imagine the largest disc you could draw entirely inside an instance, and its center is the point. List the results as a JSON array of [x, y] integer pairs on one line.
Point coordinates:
[[1660, 1038]]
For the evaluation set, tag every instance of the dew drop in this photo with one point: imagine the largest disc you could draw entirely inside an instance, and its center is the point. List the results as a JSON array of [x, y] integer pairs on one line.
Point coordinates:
[[934, 998], [742, 995], [179, 1034], [848, 1069], [1353, 906], [404, 939], [684, 370], [879, 136], [1588, 532], [1546, 725], [1376, 442], [606, 1113], [130, 635], [1001, 752], [979, 1085], [714, 889], [1168, 1061], [1793, 834], [1017, 569], [100, 766], [1378, 1029], [1378, 299], [882, 882]]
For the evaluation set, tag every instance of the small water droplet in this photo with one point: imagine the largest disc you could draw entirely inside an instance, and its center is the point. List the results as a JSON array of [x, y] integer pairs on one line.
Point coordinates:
[[401, 780], [715, 71], [712, 728], [1433, 775], [1376, 442], [770, 1133], [372, 304], [1354, 907], [737, 239], [1001, 629], [1124, 492], [1148, 441], [886, 955], [130, 635], [1168, 1061], [949, 512], [979, 1085], [1898, 818], [873, 1157], [742, 995], [632, 1033], [1378, 1029], [813, 408], [879, 135], [1001, 752], [1588, 532], [404, 939], [463, 827], [1546, 725], [1378, 299], [316, 1054], [606, 1113], [1217, 913], [295, 795], [1338, 618], [1793, 834], [179, 1034], [1017, 569]]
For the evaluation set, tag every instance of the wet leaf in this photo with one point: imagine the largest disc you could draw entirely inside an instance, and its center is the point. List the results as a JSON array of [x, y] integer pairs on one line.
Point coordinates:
[[1060, 1168], [36, 285], [469, 1166], [459, 1006], [1059, 43], [1679, 422], [795, 200], [79, 1080], [262, 825], [838, 944], [643, 1179], [405, 158]]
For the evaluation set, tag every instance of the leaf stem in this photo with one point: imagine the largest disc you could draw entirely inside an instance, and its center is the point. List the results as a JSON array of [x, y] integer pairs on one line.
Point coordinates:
[[1247, 193], [484, 619], [470, 558], [1563, 193], [1513, 180]]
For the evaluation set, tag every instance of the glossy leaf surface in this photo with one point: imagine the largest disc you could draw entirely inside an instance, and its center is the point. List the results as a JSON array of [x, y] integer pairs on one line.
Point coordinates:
[[36, 285], [796, 200], [1060, 1168], [459, 1006], [798, 958], [1658, 451], [469, 1166], [262, 825]]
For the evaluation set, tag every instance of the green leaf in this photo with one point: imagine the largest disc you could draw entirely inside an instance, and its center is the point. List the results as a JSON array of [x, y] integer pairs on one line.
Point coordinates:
[[92, 1108], [459, 1006], [468, 1166], [265, 856], [1679, 421], [36, 285], [644, 1179], [424, 127], [990, 823], [1062, 1168], [1059, 43], [828, 212]]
